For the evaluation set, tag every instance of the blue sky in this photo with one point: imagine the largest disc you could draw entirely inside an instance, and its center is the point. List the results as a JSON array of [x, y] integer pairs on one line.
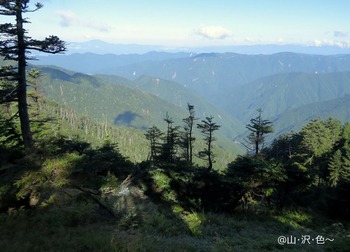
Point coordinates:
[[195, 22]]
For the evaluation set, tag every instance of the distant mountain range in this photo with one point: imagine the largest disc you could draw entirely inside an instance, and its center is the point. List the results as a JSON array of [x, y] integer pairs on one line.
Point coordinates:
[[291, 88], [101, 47], [91, 63], [213, 75]]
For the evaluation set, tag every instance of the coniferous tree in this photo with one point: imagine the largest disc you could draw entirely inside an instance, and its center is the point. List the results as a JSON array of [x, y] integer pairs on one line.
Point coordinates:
[[258, 128], [284, 147], [35, 93], [318, 139], [207, 127], [7, 87], [335, 168], [339, 164], [17, 46], [188, 136], [171, 139], [153, 135]]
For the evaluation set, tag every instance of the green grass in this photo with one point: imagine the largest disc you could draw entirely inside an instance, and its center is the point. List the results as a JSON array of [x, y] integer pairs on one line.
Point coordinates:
[[147, 227], [67, 219]]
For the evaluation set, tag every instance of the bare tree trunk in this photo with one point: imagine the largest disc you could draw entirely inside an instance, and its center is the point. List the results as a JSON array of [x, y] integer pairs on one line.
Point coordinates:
[[210, 161], [22, 85], [190, 154]]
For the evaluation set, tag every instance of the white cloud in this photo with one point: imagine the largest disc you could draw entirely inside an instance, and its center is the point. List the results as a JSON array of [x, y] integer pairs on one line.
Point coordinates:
[[69, 18], [330, 42], [317, 42], [214, 32]]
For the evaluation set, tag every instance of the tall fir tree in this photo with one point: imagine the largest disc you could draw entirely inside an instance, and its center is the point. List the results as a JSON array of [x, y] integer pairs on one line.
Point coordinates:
[[171, 140], [258, 128], [339, 164], [17, 46], [153, 135], [208, 127]]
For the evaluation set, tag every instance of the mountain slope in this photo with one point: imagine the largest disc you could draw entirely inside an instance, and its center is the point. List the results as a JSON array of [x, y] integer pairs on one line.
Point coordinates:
[[296, 118], [240, 84], [114, 103], [207, 73], [102, 101], [214, 73], [280, 93], [180, 96]]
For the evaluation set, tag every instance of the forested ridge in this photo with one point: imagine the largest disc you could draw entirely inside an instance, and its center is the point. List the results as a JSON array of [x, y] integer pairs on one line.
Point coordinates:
[[76, 179]]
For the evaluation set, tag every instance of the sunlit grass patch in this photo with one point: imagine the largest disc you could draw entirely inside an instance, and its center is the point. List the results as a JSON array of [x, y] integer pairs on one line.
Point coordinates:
[[295, 219], [79, 228], [194, 222]]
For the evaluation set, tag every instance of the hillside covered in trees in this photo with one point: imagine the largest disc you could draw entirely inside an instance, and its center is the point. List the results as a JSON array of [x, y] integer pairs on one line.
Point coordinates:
[[104, 163]]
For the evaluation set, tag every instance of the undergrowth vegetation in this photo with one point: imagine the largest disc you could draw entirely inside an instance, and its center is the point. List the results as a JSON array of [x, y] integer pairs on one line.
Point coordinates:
[[84, 199]]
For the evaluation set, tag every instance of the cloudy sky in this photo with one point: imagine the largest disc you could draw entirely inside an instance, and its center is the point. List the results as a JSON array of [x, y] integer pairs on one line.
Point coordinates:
[[195, 22]]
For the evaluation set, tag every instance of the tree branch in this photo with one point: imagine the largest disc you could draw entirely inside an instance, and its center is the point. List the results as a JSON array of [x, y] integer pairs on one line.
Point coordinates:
[[51, 44]]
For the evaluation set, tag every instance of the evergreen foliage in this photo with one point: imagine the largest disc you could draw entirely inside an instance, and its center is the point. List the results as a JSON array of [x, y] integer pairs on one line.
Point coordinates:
[[153, 135], [17, 46], [257, 178], [208, 127], [258, 128], [314, 159], [170, 144]]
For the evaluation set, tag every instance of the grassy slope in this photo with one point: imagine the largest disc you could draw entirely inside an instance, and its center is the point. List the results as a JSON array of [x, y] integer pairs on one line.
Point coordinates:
[[147, 227], [68, 219]]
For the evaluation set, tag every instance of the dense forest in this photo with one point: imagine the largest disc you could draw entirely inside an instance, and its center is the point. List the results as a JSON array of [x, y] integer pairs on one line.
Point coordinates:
[[74, 182]]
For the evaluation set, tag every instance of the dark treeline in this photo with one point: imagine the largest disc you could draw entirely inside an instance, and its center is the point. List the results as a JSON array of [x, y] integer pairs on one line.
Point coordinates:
[[309, 169], [176, 145]]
